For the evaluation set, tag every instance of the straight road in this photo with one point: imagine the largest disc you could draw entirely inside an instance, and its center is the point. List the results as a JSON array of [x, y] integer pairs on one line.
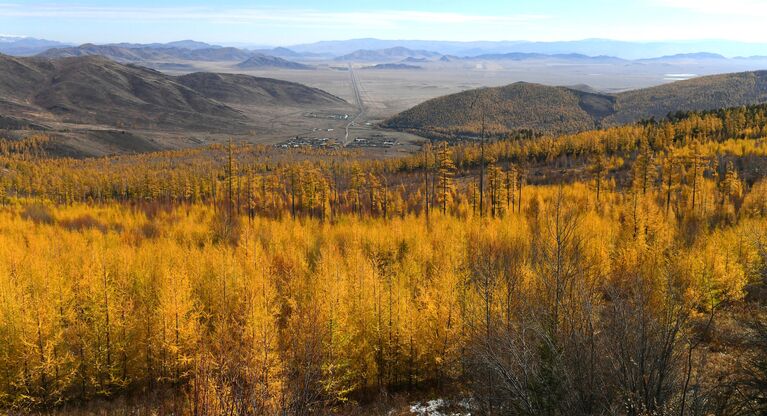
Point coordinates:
[[358, 98]]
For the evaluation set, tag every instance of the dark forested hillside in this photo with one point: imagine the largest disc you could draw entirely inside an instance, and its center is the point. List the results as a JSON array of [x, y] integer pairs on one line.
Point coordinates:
[[556, 110], [518, 106], [704, 93]]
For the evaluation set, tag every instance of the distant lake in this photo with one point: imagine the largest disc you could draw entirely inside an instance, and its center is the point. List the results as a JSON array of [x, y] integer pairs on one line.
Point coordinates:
[[678, 77]]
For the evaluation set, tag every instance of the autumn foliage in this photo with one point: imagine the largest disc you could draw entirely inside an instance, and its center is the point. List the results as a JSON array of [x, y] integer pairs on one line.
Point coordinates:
[[611, 272]]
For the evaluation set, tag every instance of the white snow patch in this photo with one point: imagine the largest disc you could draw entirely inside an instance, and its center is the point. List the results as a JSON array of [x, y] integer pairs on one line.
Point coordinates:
[[437, 408]]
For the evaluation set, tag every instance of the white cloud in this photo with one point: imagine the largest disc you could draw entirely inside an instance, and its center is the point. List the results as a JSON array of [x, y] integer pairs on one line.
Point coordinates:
[[750, 8]]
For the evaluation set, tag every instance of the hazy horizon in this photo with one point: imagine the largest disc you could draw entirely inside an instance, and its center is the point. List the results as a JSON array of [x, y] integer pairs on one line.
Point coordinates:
[[283, 23], [31, 35], [630, 50]]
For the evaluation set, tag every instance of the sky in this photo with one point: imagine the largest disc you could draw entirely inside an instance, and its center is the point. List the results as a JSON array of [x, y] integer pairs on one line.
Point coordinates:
[[289, 22]]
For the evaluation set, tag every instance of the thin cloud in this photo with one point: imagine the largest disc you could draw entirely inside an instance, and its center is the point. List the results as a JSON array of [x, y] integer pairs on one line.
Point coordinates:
[[382, 18]]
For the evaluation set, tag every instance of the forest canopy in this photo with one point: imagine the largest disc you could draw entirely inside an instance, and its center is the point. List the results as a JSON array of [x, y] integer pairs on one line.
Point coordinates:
[[614, 271]]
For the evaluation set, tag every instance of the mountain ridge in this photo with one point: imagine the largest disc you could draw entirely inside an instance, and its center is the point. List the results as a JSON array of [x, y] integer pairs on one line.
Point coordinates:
[[591, 47], [26, 46], [153, 53]]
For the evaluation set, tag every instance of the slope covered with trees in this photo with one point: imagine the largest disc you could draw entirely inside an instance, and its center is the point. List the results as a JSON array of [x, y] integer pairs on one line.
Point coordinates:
[[520, 106], [704, 93], [618, 271], [538, 109]]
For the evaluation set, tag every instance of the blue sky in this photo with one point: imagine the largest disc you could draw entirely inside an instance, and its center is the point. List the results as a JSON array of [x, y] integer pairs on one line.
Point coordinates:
[[287, 22]]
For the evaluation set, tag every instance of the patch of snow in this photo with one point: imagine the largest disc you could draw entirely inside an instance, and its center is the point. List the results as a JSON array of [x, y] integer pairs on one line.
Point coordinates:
[[438, 407]]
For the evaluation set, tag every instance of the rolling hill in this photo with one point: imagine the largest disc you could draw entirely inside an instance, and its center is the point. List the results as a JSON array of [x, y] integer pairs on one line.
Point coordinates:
[[95, 90], [704, 93], [515, 107], [91, 94], [555, 110]]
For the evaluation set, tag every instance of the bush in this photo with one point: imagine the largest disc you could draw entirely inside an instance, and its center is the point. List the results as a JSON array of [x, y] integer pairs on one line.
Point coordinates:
[[83, 222], [37, 213]]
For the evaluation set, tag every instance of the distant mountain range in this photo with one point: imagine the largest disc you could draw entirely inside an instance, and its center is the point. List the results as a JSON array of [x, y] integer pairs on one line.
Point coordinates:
[[589, 47], [393, 56], [286, 53], [25, 46], [182, 44], [521, 56], [544, 109], [390, 51], [699, 56], [405, 55], [126, 54], [389, 54], [152, 54]]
